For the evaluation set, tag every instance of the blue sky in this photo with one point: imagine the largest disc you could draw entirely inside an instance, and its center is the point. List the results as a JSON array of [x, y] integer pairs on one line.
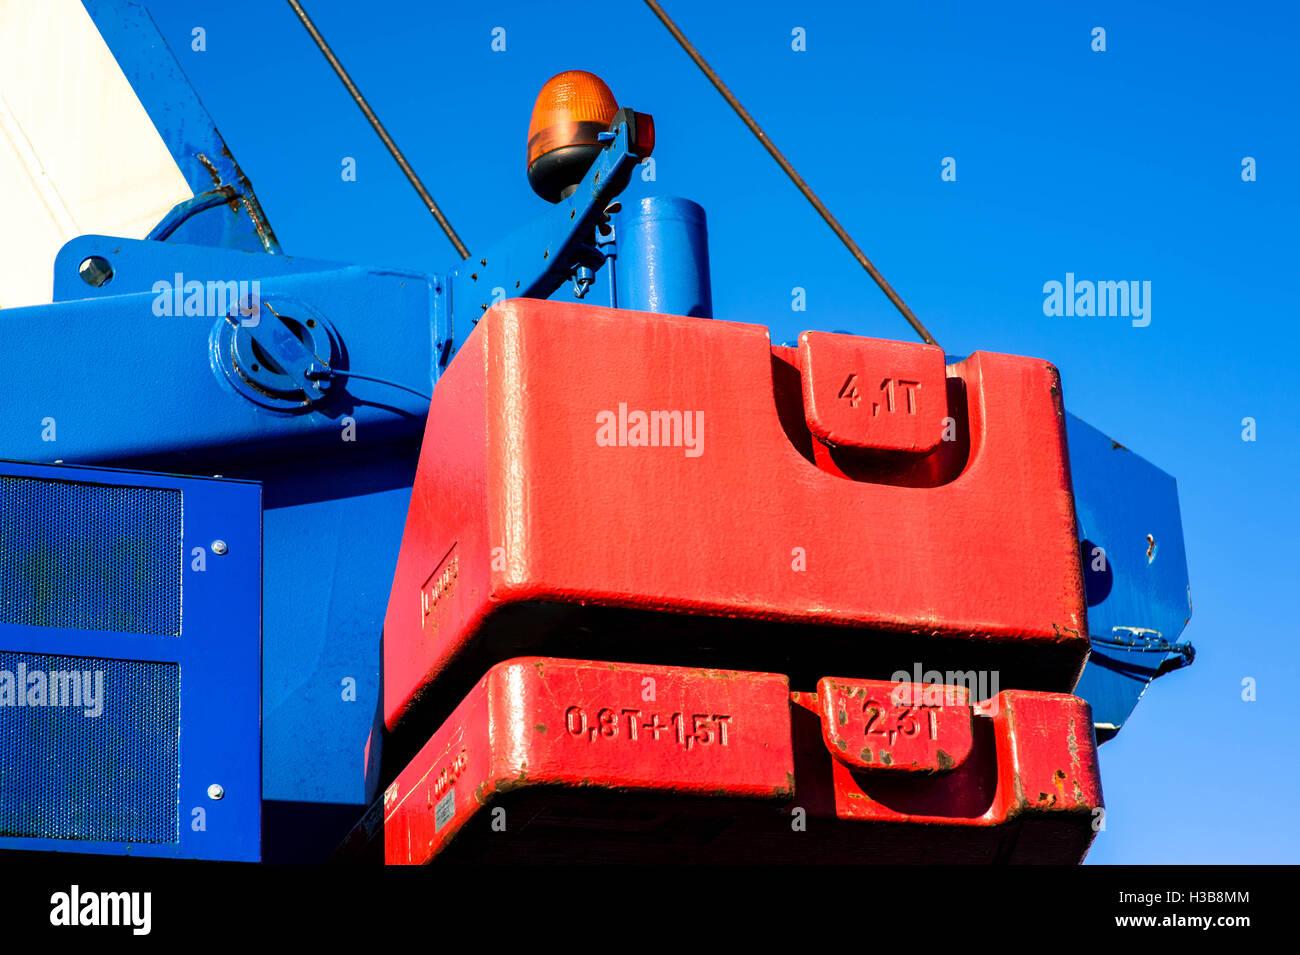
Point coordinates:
[[1117, 165]]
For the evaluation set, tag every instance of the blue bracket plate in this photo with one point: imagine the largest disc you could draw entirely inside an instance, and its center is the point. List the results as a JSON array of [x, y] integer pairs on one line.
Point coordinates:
[[1135, 573], [538, 257]]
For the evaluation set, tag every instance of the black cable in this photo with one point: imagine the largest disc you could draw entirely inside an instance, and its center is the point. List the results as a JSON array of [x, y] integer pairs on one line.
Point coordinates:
[[784, 163], [379, 128], [342, 373]]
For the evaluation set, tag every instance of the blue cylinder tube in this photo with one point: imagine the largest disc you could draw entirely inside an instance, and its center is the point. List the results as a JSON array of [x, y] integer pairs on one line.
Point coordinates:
[[663, 257]]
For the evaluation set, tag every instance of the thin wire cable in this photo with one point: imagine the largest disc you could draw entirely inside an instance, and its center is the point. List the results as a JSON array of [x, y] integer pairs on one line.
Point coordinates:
[[379, 128], [343, 373], [790, 171]]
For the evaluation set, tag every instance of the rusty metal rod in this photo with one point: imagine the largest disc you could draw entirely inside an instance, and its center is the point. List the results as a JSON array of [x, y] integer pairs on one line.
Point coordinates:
[[790, 171], [379, 128]]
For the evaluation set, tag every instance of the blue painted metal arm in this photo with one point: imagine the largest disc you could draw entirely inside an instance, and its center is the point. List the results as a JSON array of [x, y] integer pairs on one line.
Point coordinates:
[[235, 221], [539, 257]]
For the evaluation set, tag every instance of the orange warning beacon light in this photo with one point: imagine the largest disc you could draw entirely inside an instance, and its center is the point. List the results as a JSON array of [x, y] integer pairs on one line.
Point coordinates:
[[573, 108]]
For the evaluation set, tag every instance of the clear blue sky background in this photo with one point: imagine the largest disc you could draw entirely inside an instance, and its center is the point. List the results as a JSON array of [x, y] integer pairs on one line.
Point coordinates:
[[1117, 165]]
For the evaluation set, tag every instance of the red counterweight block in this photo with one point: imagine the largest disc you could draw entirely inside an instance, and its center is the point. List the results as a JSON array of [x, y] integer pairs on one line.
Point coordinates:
[[566, 760], [628, 486]]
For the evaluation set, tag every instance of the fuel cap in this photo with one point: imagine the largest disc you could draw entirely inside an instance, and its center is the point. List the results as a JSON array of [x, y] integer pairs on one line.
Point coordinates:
[[280, 356]]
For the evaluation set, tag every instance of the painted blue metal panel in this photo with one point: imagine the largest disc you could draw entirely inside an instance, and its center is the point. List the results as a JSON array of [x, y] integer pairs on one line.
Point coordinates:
[[179, 708], [1135, 572], [333, 531]]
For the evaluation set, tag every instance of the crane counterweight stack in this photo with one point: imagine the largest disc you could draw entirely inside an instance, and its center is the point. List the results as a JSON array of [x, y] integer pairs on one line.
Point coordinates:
[[484, 576]]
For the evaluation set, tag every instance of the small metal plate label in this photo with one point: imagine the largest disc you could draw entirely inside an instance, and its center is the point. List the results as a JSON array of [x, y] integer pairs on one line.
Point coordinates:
[[445, 810]]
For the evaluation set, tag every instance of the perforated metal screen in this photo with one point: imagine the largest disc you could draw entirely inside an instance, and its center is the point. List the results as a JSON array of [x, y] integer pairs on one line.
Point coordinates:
[[89, 748], [90, 556]]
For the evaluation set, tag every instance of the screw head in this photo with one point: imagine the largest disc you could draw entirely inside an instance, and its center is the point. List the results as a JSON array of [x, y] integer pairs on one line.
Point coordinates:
[[215, 791], [219, 547]]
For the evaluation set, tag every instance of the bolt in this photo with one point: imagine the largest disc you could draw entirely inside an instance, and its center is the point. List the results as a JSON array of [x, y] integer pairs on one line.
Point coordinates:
[[219, 548], [95, 271], [216, 792]]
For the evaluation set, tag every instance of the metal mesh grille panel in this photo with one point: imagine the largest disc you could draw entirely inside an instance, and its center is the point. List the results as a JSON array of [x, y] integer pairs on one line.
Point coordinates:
[[90, 556], [89, 757]]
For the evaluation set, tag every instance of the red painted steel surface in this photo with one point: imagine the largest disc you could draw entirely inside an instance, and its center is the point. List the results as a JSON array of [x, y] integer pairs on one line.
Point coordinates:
[[873, 394], [1033, 753], [539, 723], [540, 522], [895, 727], [571, 760]]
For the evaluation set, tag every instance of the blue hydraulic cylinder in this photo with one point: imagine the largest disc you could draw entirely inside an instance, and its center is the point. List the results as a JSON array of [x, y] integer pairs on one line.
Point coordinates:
[[663, 257]]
